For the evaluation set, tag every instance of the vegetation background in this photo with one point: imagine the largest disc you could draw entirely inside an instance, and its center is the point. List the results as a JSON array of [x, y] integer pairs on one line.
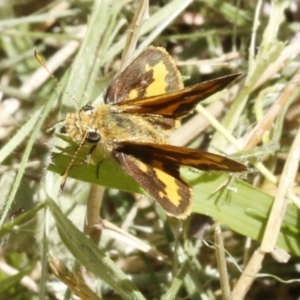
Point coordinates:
[[133, 250]]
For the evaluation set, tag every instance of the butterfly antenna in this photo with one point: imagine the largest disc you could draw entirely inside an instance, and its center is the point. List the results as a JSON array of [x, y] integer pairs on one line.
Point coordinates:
[[53, 127], [64, 176], [43, 64]]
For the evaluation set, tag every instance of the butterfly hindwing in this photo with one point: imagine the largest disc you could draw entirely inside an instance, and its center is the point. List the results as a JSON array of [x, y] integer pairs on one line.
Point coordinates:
[[152, 73], [160, 180], [156, 168]]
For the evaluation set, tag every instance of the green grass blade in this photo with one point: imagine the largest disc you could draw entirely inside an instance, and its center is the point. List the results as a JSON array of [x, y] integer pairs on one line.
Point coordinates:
[[91, 257]]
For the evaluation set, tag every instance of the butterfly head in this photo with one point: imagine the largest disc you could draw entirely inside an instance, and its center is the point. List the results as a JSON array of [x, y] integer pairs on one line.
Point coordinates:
[[80, 126]]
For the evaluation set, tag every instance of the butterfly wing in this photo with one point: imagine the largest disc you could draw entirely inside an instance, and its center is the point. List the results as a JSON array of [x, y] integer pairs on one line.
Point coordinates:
[[157, 169], [201, 160], [160, 180], [177, 103], [152, 73]]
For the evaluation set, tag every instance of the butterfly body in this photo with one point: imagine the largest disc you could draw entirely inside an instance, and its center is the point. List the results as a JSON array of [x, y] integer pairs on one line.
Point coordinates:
[[113, 127], [142, 107]]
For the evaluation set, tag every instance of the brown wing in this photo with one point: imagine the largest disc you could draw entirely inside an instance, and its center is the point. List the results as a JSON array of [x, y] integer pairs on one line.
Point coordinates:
[[152, 73], [173, 155], [161, 181], [156, 168], [178, 103]]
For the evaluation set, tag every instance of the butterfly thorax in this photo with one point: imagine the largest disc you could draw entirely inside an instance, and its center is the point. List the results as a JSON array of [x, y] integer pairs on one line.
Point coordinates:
[[112, 127], [116, 127]]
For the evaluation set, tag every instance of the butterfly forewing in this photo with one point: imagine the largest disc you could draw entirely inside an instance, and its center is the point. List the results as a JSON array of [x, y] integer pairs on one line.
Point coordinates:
[[178, 103], [180, 156]]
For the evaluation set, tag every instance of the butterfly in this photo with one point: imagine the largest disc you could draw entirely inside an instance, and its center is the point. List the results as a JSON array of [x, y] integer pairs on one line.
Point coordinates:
[[142, 106]]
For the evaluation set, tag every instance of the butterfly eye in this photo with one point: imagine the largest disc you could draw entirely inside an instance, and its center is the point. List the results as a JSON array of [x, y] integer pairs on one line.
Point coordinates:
[[93, 137], [87, 108], [63, 130]]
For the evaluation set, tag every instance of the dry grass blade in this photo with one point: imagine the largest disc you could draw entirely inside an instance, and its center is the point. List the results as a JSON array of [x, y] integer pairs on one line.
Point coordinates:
[[141, 14], [280, 203], [75, 282], [255, 136], [221, 261]]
